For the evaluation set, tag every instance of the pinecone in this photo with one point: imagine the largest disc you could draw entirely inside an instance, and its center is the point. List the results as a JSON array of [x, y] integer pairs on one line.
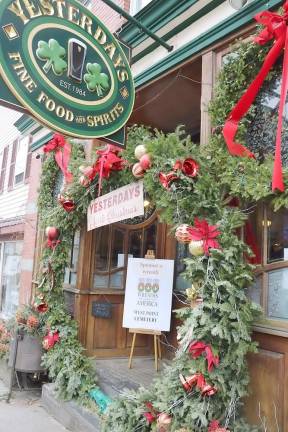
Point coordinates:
[[32, 322], [20, 318]]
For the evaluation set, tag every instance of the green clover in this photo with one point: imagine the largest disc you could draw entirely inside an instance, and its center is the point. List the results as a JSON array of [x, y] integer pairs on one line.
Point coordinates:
[[95, 80], [53, 54]]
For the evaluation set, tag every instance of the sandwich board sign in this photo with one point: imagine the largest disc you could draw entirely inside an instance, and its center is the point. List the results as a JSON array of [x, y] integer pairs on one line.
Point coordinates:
[[60, 64]]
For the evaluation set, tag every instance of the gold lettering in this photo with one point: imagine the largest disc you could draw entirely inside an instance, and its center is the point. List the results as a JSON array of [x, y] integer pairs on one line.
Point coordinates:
[[60, 111], [60, 4], [22, 73], [86, 23], [18, 11], [107, 118], [47, 8], [110, 49], [119, 108], [100, 36], [31, 85], [119, 62], [69, 116], [72, 14], [90, 121], [42, 97], [31, 9]]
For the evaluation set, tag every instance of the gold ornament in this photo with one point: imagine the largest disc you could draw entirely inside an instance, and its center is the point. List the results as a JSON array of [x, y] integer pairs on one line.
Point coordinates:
[[196, 247], [140, 150], [181, 234]]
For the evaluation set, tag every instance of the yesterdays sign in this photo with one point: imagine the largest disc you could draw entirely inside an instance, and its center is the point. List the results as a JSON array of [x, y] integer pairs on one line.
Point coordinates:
[[148, 294], [65, 67], [123, 203]]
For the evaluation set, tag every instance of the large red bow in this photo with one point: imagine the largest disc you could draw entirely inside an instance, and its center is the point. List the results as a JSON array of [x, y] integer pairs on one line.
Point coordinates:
[[205, 232], [197, 348], [62, 150], [275, 28], [108, 161]]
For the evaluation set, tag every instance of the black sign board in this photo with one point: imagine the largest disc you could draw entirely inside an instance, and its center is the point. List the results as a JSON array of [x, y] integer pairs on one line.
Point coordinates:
[[101, 310]]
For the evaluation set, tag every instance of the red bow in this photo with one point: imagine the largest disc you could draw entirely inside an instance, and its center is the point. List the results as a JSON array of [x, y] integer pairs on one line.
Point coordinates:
[[62, 151], [197, 348], [108, 161], [152, 414], [52, 244], [275, 28], [205, 232]]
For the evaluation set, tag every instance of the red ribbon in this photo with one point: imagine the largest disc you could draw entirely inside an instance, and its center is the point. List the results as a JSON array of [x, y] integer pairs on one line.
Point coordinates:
[[197, 348], [108, 161], [275, 28], [52, 244], [205, 232], [62, 150], [152, 414]]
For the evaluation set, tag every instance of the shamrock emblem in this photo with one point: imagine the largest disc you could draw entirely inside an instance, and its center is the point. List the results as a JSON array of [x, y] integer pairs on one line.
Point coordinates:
[[53, 54], [95, 79]]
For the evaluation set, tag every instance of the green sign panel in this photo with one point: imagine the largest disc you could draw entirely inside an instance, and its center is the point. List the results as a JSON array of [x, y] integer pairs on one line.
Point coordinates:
[[65, 67]]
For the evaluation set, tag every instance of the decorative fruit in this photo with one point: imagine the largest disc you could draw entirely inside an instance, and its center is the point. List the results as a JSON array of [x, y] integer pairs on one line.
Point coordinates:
[[182, 235], [20, 317], [52, 233], [137, 170], [68, 205], [140, 151], [32, 322], [84, 181], [145, 161], [196, 247]]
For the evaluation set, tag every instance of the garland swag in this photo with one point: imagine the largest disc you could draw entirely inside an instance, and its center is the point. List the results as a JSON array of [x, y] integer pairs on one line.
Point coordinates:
[[215, 336]]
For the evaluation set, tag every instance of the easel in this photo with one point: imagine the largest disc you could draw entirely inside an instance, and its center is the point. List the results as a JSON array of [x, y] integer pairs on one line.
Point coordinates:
[[157, 345], [156, 334]]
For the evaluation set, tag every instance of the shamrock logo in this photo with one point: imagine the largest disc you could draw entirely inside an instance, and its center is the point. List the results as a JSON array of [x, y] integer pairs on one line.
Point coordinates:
[[53, 54], [95, 79]]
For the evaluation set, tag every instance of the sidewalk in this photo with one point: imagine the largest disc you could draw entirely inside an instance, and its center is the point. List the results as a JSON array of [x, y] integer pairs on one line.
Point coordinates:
[[24, 413]]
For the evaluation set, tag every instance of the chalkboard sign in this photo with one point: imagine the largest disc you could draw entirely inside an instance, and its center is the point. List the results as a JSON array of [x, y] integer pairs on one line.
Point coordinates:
[[101, 310]]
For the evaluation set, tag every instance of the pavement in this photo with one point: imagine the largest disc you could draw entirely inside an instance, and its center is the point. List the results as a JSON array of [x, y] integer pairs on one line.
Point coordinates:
[[25, 413]]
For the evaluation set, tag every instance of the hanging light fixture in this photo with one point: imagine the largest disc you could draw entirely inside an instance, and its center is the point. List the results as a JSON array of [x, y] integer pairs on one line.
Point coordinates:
[[237, 4]]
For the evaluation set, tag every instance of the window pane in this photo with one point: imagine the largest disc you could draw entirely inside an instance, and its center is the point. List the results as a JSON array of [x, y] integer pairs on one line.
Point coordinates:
[[278, 294], [71, 271], [135, 243], [150, 235], [253, 235], [254, 291], [116, 280], [101, 254], [277, 228], [117, 252], [10, 278]]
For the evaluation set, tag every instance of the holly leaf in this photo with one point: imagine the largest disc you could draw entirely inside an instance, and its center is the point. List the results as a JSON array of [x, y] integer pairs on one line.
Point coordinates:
[[53, 53], [95, 79]]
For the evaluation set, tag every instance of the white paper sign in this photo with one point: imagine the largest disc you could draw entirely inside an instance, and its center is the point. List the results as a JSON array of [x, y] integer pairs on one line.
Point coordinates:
[[148, 295], [123, 203]]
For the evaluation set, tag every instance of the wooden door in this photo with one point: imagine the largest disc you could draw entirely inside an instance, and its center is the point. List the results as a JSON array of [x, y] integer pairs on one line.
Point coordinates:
[[111, 247]]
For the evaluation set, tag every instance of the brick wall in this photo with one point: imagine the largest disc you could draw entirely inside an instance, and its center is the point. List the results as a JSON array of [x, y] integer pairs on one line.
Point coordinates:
[[108, 16]]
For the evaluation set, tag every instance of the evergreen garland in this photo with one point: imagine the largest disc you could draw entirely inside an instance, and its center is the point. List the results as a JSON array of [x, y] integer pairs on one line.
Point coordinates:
[[225, 318]]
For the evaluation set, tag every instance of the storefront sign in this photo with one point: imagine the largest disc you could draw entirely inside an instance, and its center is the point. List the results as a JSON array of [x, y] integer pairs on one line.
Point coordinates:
[[123, 203], [65, 67], [148, 294]]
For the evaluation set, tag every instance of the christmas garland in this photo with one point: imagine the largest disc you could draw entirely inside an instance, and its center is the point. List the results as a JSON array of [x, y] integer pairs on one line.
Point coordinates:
[[203, 192]]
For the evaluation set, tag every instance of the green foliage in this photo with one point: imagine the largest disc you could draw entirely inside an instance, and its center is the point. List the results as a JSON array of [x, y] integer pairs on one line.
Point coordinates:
[[53, 53], [95, 79]]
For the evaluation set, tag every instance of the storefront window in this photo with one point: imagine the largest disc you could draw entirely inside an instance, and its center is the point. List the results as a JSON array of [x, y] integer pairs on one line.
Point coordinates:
[[71, 271], [10, 269], [114, 244], [181, 284]]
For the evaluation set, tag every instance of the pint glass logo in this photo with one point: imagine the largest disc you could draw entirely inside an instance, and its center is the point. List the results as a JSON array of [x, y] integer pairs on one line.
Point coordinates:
[[65, 67]]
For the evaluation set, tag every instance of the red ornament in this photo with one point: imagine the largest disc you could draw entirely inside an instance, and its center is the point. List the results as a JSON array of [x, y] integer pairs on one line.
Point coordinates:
[[89, 172], [167, 179], [68, 205], [52, 233], [182, 234], [137, 170], [32, 322], [40, 305], [215, 427], [145, 162], [208, 390], [190, 167], [198, 348], [205, 232], [177, 165], [150, 415], [190, 381]]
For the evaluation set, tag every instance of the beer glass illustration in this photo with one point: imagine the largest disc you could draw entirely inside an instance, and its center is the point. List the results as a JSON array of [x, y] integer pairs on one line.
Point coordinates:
[[77, 51]]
